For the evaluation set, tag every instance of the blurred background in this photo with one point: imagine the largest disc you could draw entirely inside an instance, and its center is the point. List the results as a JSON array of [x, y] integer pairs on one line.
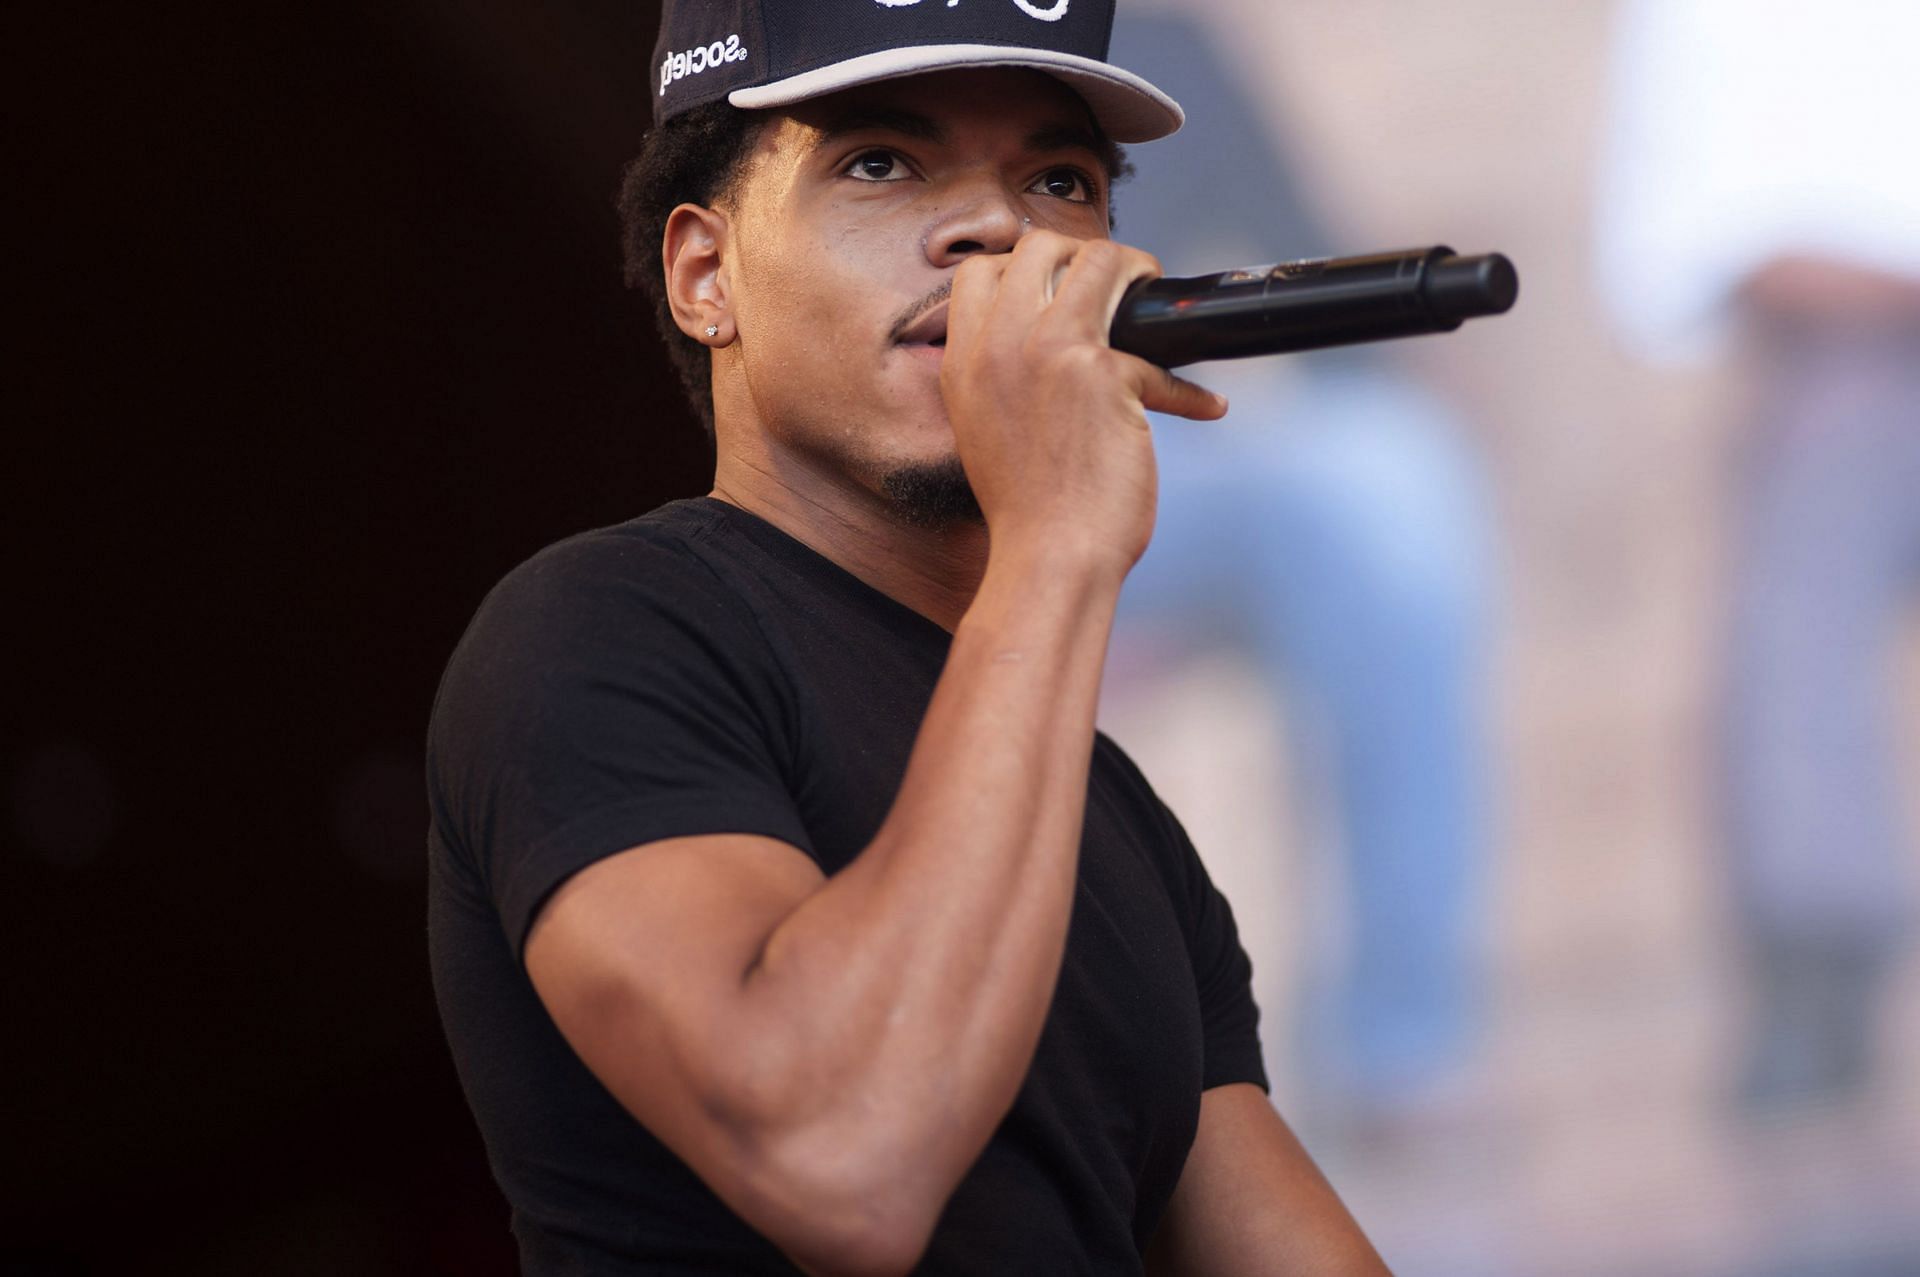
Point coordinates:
[[1546, 696]]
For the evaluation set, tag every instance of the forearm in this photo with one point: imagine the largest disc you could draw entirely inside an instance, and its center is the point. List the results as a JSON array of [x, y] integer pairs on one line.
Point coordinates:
[[899, 1006]]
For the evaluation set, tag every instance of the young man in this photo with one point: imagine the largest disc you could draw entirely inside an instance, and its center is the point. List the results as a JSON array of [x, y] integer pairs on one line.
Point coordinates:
[[787, 910]]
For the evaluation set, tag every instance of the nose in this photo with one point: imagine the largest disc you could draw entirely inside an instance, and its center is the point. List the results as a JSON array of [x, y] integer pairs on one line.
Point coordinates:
[[984, 217]]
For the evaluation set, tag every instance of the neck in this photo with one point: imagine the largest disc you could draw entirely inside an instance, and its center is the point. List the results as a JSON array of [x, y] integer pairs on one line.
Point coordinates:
[[934, 571]]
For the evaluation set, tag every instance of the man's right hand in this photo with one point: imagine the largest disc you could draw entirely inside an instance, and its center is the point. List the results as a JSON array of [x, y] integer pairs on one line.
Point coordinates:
[[1049, 420]]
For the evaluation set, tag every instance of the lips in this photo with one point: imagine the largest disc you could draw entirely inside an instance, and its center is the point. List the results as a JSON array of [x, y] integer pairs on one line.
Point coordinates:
[[928, 330]]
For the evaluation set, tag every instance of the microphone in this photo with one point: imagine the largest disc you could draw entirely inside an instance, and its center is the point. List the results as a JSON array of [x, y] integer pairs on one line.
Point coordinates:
[[1305, 305]]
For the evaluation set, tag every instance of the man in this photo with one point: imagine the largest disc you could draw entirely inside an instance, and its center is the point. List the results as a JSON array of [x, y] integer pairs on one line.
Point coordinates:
[[787, 910]]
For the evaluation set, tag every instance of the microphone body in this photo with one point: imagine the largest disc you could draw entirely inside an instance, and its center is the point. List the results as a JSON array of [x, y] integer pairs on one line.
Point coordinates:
[[1305, 305]]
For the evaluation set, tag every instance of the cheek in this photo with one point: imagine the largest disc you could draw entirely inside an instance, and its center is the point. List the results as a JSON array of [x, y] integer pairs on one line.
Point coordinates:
[[797, 297], [814, 312], [815, 307]]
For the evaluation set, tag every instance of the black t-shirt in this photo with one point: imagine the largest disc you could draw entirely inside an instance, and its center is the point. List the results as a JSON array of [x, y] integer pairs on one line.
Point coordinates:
[[697, 671]]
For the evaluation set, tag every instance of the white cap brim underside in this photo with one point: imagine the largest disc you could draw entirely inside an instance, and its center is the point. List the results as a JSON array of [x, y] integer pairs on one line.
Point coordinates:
[[1128, 108]]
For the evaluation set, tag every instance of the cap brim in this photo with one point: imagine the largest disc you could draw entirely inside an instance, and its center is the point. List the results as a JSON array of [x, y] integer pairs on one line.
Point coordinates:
[[1128, 108]]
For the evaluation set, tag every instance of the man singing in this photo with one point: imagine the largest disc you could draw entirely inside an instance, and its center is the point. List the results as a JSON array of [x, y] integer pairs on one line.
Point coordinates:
[[787, 911]]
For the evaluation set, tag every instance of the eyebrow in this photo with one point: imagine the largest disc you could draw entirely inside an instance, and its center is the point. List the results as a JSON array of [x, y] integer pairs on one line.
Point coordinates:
[[1066, 137], [882, 119]]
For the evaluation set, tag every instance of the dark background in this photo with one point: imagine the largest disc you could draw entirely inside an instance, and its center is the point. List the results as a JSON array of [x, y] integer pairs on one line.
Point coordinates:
[[319, 329]]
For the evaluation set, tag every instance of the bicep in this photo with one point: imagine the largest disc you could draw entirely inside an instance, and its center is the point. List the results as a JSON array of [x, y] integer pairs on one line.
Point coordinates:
[[1251, 1202], [640, 959]]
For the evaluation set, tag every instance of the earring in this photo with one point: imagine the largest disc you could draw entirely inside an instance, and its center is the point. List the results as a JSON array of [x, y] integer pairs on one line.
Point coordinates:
[[713, 330]]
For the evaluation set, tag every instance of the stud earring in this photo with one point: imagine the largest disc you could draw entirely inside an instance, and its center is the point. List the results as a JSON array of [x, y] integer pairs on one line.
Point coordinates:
[[713, 330]]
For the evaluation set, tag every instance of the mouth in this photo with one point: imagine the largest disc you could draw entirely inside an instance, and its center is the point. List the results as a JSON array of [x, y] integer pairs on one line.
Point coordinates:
[[928, 331]]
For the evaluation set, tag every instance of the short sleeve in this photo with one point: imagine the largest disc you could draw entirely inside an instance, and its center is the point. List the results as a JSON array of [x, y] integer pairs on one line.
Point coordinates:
[[609, 692], [1223, 975]]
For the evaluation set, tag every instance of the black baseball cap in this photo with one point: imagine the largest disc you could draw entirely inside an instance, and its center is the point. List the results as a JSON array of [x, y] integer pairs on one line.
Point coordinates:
[[769, 53]]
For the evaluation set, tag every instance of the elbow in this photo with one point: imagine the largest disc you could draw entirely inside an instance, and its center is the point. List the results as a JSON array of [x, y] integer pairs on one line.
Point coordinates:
[[845, 1183], [840, 1212], [868, 1250]]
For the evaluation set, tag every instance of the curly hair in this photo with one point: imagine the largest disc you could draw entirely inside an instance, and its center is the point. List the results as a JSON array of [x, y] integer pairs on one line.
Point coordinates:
[[699, 158]]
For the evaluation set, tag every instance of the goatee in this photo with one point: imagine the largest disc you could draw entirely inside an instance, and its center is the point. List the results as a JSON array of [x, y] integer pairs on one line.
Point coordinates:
[[933, 494]]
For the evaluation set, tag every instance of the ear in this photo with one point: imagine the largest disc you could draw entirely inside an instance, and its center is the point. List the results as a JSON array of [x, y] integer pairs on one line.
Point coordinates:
[[692, 250]]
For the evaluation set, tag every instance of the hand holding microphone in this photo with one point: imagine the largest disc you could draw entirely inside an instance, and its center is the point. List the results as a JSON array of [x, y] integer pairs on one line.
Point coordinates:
[[1049, 422]]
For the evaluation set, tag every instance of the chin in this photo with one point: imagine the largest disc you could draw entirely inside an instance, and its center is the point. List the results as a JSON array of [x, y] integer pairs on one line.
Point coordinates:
[[931, 494]]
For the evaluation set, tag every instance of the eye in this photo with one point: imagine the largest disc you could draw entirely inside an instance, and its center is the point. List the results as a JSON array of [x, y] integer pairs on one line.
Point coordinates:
[[877, 166], [1065, 183]]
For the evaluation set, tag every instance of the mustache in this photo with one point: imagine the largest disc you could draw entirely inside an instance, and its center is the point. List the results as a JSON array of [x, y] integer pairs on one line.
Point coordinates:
[[911, 315]]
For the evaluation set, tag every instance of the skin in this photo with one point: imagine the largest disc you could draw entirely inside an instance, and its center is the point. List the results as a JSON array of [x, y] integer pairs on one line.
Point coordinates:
[[894, 1009]]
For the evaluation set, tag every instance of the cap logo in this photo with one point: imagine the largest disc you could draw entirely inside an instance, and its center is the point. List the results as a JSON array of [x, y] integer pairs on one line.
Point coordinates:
[[678, 66], [1053, 13]]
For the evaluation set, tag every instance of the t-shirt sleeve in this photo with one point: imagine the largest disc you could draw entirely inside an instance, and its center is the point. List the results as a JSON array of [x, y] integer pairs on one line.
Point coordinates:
[[1225, 978], [1223, 975], [609, 692]]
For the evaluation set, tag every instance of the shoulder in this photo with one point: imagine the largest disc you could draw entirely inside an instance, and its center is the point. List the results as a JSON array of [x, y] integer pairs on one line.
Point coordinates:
[[1157, 828], [650, 579], [653, 561], [1115, 768], [1107, 750], [642, 604], [612, 666]]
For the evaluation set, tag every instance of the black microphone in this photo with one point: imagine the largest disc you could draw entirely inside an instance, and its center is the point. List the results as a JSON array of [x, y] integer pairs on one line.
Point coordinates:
[[1333, 301]]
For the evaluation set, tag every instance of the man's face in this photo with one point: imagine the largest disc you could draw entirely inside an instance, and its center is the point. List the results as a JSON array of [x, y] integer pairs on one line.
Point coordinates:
[[852, 217]]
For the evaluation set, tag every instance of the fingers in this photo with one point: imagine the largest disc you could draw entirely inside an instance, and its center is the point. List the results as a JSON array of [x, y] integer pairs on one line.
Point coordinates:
[[1076, 283], [1161, 391], [1036, 263], [1096, 279], [1074, 287], [976, 288]]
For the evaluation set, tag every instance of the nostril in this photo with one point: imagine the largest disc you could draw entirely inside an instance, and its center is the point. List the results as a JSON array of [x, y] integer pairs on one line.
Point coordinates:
[[966, 246]]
